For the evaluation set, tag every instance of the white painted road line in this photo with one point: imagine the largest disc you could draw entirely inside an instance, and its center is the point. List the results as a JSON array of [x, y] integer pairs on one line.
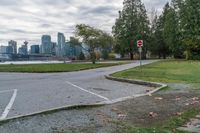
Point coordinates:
[[9, 106], [105, 98]]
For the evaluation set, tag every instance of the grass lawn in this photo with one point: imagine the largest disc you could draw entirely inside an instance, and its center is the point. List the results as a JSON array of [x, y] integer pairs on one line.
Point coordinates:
[[165, 71], [47, 68], [170, 71]]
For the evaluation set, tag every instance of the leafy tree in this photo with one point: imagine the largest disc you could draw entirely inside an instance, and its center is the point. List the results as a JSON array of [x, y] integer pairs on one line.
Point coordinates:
[[131, 26], [81, 56], [94, 38], [74, 41]]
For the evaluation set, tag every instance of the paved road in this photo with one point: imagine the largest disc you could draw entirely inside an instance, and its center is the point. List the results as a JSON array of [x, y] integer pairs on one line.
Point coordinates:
[[26, 93]]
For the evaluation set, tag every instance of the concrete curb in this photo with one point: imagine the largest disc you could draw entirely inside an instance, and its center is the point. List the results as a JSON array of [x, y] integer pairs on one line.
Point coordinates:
[[52, 110], [158, 86]]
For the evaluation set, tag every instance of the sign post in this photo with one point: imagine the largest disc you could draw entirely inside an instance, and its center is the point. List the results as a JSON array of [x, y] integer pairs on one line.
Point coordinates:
[[140, 45]]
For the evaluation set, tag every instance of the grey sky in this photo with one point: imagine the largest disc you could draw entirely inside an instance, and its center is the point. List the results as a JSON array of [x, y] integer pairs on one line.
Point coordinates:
[[29, 19]]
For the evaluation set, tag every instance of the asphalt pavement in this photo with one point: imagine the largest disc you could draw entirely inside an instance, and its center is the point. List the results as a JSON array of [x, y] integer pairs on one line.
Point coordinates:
[[27, 93]]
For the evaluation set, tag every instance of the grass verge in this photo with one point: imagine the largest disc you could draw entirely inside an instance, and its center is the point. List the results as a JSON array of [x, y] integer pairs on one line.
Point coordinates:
[[48, 68], [174, 71]]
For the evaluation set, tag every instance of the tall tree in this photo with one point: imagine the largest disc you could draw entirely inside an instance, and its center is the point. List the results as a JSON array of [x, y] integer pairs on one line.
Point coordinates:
[[160, 33], [131, 26], [190, 27], [171, 30]]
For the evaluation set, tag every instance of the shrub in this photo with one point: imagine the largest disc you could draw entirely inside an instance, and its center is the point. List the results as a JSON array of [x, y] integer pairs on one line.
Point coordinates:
[[112, 56]]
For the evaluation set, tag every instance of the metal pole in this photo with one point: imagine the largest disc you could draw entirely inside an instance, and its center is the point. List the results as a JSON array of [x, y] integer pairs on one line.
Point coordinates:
[[140, 50], [140, 59]]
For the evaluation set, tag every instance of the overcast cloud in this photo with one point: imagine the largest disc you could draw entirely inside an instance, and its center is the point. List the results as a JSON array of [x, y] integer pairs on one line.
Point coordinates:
[[29, 19]]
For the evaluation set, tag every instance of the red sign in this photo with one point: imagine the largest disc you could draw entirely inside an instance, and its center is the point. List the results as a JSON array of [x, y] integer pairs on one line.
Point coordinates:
[[140, 43]]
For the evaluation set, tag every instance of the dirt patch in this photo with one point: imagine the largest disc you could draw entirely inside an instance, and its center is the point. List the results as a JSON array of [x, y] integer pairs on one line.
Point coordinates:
[[152, 110], [145, 111]]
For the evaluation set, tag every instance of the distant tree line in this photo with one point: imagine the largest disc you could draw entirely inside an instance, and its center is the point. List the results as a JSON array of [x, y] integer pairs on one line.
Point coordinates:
[[174, 33]]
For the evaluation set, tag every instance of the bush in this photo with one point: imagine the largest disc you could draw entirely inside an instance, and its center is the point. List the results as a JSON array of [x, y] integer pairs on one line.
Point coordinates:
[[112, 56], [195, 55]]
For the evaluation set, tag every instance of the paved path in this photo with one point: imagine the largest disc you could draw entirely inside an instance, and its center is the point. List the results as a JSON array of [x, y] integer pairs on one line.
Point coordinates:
[[22, 94]]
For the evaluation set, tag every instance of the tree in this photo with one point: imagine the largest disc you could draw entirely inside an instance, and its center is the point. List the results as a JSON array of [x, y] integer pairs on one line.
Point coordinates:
[[74, 41], [153, 45], [190, 27], [94, 38], [161, 46], [170, 31], [131, 26], [81, 56]]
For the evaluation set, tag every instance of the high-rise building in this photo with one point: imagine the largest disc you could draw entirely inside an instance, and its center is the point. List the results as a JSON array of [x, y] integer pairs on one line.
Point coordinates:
[[46, 46], [54, 47], [6, 49], [72, 50], [13, 44], [61, 45], [23, 50], [35, 49], [3, 49]]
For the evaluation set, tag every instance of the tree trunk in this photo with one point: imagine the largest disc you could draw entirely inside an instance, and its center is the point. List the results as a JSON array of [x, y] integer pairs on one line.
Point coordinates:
[[93, 57], [159, 55], [131, 54], [164, 55]]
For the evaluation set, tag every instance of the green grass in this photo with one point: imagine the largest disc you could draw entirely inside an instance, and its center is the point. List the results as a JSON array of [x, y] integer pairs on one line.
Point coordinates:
[[165, 71], [47, 68], [170, 71], [169, 126]]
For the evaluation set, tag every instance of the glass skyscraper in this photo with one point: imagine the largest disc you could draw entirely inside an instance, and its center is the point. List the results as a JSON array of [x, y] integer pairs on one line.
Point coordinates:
[[61, 45], [46, 47]]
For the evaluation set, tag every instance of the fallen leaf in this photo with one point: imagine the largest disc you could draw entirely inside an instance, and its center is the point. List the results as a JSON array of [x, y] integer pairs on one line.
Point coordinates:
[[152, 114], [187, 104], [178, 98], [158, 98], [195, 98], [122, 116], [179, 113]]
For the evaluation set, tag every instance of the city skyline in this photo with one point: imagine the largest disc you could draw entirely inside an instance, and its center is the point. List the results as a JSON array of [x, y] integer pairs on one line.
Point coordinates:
[[28, 20], [60, 48]]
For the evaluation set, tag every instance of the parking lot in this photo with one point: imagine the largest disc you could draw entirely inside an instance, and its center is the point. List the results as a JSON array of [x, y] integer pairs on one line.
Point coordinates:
[[26, 93]]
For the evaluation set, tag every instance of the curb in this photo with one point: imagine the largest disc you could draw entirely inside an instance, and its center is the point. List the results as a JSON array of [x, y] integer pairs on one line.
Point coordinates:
[[157, 85], [52, 110]]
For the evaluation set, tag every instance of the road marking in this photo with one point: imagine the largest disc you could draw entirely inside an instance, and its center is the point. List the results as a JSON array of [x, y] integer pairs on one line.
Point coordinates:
[[105, 98], [9, 106]]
